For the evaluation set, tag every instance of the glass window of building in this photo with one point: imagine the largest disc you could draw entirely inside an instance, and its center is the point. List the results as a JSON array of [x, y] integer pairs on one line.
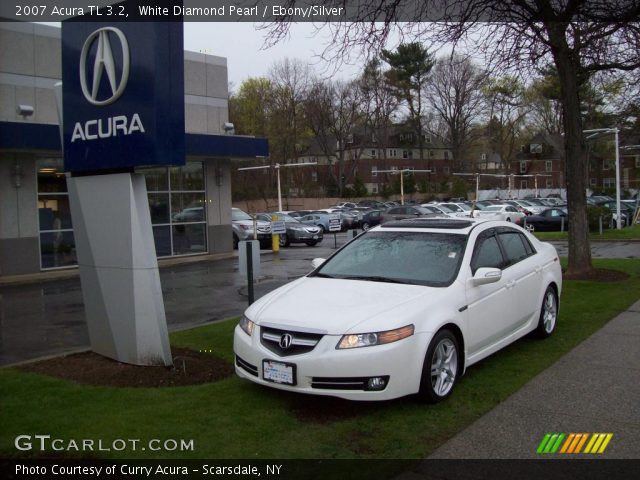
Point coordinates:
[[178, 209], [57, 244]]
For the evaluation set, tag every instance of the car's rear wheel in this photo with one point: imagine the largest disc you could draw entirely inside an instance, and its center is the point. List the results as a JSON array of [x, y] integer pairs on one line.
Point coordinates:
[[440, 369], [236, 240], [548, 313]]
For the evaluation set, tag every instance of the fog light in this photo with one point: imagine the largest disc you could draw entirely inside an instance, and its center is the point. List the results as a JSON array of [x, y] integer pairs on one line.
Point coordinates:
[[377, 383]]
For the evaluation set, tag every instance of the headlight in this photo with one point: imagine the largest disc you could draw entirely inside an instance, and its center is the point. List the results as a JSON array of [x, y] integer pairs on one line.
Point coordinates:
[[375, 338], [246, 325]]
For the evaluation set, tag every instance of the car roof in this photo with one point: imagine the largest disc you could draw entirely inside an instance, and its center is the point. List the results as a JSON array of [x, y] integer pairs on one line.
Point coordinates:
[[433, 224]]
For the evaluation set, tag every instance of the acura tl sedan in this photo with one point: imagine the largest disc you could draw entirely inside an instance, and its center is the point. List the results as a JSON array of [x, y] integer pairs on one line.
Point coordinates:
[[434, 296]]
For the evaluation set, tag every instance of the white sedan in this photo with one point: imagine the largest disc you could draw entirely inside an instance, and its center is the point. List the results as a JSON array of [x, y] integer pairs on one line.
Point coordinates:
[[507, 213], [403, 308]]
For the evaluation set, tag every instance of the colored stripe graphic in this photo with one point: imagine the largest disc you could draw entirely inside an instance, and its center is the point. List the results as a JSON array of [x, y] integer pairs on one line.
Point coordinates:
[[598, 443], [573, 443], [550, 443]]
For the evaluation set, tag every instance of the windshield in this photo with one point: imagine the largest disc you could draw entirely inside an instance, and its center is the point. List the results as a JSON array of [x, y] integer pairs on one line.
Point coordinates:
[[535, 202], [493, 208], [418, 258], [240, 215], [464, 207], [445, 209]]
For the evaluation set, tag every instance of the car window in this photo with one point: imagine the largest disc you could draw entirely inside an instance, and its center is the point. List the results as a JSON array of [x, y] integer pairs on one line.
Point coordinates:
[[421, 258], [514, 246], [487, 254]]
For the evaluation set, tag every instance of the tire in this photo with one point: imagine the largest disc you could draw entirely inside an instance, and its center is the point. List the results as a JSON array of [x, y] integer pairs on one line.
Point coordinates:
[[548, 314], [508, 219], [236, 240], [312, 243], [366, 226], [441, 367], [283, 240], [322, 229]]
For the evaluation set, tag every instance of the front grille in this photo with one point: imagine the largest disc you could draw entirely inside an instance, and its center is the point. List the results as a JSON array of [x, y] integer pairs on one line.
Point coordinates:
[[343, 383], [246, 366], [301, 342], [264, 229]]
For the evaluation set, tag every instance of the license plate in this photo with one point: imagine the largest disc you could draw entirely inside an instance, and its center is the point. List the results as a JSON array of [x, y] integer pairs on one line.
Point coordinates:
[[278, 372]]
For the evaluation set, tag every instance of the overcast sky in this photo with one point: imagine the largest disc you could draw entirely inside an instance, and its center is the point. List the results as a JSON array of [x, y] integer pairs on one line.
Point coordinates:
[[242, 45]]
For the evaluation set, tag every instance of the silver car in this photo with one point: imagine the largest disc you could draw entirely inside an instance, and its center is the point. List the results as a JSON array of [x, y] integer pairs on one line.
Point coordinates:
[[242, 224]]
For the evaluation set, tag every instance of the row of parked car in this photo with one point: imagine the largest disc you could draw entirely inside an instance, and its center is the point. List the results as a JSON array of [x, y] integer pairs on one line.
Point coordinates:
[[309, 226]]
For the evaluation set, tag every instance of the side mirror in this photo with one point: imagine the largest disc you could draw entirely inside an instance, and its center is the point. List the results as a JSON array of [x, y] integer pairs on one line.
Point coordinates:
[[484, 276], [316, 262]]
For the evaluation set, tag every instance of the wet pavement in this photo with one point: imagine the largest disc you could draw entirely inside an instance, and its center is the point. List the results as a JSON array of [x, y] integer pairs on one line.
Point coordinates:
[[41, 319], [48, 318]]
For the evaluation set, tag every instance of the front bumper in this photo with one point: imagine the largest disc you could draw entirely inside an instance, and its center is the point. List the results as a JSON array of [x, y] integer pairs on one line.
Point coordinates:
[[304, 236], [400, 361]]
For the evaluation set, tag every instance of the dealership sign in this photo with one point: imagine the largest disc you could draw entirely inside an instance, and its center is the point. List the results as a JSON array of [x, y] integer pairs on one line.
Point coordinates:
[[123, 95]]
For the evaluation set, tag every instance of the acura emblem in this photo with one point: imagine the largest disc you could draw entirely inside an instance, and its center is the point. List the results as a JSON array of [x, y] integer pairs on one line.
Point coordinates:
[[104, 62], [285, 341]]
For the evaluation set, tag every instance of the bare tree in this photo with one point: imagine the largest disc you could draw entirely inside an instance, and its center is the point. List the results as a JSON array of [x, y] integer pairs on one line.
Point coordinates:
[[455, 94], [507, 111], [580, 37], [333, 109]]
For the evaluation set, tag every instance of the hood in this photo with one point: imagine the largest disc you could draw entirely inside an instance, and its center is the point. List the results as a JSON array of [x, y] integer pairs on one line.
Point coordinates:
[[336, 307]]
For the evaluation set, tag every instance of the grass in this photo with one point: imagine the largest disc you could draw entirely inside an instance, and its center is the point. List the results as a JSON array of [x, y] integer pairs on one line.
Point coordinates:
[[630, 233], [237, 419]]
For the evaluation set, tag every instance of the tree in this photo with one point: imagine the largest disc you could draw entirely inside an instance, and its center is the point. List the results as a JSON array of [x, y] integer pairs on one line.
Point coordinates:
[[580, 37], [333, 108], [504, 100], [409, 71], [455, 94]]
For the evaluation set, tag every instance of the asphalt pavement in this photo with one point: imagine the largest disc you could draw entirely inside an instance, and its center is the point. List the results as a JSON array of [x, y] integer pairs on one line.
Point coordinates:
[[43, 318]]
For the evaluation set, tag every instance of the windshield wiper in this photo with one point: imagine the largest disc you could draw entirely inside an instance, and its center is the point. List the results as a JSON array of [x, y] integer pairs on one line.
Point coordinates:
[[323, 275], [375, 278]]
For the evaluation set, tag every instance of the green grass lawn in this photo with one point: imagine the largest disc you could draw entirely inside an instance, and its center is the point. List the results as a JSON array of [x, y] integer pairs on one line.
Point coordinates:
[[630, 233], [237, 419]]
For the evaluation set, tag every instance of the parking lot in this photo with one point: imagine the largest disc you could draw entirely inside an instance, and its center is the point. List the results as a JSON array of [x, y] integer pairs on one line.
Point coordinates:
[[46, 318]]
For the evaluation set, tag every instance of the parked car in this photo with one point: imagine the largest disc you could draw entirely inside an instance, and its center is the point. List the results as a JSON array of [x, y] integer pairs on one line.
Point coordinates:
[[345, 205], [320, 219], [299, 213], [371, 219], [297, 232], [549, 220], [534, 205], [507, 213], [438, 209], [410, 211], [242, 225], [191, 214], [458, 209], [371, 204], [438, 296], [626, 212]]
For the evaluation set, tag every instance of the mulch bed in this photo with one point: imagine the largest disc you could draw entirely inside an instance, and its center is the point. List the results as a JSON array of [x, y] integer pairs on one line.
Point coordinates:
[[89, 368], [599, 275]]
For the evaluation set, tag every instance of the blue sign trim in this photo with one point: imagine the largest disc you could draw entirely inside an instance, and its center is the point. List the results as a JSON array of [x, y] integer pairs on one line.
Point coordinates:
[[46, 137]]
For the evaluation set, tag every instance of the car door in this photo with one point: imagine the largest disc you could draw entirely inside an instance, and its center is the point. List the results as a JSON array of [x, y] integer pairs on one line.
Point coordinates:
[[490, 307], [524, 272]]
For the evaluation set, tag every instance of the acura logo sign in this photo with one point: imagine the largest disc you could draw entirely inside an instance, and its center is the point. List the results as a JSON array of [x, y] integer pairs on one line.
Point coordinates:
[[104, 62], [285, 341]]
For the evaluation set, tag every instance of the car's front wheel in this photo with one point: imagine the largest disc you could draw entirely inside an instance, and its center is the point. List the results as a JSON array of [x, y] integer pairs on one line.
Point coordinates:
[[440, 369], [548, 313], [283, 240], [312, 243]]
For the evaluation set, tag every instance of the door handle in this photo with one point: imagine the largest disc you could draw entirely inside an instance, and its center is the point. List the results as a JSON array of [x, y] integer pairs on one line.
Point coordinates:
[[510, 284], [538, 269]]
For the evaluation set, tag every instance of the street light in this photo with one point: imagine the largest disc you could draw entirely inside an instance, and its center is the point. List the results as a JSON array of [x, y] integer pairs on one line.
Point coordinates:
[[598, 132], [477, 177], [277, 167], [402, 172]]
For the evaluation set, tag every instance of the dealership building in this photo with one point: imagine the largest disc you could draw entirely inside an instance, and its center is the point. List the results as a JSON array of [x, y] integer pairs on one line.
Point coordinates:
[[190, 206]]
